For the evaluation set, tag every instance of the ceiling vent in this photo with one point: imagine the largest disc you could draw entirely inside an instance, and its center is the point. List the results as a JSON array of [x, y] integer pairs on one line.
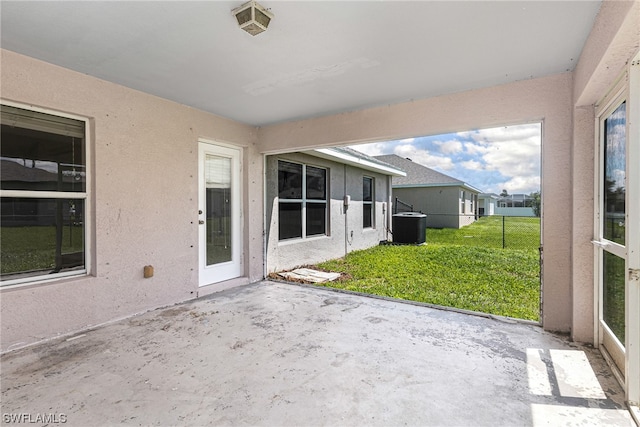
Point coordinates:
[[252, 17]]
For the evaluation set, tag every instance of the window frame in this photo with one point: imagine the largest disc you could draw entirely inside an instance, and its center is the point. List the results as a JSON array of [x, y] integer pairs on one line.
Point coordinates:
[[86, 196], [371, 203], [304, 201]]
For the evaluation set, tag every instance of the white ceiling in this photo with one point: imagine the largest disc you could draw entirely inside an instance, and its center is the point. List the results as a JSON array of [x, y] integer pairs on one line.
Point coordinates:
[[316, 58]]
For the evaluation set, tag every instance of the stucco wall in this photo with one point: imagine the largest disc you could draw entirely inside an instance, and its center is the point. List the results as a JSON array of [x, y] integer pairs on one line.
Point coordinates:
[[144, 154], [343, 180], [440, 204], [612, 43]]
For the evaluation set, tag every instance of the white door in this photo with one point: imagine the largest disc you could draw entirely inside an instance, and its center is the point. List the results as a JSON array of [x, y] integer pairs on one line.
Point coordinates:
[[617, 230], [219, 214]]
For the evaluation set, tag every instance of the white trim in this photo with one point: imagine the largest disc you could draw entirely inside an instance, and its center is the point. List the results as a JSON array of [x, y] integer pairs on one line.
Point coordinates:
[[447, 184], [35, 194], [633, 235], [625, 89], [49, 111], [605, 336], [221, 272], [86, 195], [328, 153], [45, 278]]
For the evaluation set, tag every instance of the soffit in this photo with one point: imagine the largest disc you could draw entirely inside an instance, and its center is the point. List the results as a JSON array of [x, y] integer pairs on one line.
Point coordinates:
[[316, 58]]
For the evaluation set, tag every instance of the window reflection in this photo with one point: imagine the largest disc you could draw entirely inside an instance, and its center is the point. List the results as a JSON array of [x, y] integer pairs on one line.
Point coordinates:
[[289, 180], [613, 294], [316, 183], [615, 175]]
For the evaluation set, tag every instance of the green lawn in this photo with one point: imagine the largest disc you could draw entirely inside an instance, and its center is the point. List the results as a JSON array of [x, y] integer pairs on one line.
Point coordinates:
[[519, 233], [34, 248], [453, 270]]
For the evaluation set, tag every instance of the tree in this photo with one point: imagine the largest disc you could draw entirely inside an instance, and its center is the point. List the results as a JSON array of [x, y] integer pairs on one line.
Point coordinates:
[[535, 203], [504, 193]]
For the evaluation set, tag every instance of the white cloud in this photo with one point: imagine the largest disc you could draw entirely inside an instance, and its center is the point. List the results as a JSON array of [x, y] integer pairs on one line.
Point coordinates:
[[504, 133], [514, 151], [373, 149], [472, 165], [452, 146], [423, 157], [518, 184], [474, 149], [407, 140], [510, 152]]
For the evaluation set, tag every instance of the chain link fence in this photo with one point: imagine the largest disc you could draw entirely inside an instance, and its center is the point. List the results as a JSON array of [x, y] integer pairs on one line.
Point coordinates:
[[496, 231]]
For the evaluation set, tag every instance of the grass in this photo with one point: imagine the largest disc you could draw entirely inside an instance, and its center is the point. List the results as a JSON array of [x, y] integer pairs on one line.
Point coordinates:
[[519, 233], [34, 248], [451, 271]]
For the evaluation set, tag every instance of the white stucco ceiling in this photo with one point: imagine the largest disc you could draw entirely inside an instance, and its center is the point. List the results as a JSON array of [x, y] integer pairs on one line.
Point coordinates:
[[317, 57]]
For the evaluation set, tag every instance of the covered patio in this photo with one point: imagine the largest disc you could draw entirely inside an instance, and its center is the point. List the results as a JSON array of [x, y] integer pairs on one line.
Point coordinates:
[[280, 354]]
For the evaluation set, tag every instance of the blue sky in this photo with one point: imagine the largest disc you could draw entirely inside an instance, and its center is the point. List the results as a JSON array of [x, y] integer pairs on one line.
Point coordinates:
[[491, 160]]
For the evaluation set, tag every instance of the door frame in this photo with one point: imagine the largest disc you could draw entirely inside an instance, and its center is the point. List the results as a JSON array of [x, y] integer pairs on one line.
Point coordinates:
[[627, 369], [212, 274]]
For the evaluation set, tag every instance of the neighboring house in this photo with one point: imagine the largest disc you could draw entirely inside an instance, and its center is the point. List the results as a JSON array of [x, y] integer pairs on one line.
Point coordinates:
[[324, 203], [163, 125], [447, 201], [487, 204], [515, 205]]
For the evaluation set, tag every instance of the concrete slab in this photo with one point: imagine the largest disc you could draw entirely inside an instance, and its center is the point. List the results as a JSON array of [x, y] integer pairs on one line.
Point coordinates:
[[281, 354]]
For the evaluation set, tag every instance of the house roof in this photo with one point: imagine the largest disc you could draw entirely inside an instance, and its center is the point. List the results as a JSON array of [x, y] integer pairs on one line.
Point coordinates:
[[488, 196], [13, 171], [418, 175], [317, 57], [355, 158]]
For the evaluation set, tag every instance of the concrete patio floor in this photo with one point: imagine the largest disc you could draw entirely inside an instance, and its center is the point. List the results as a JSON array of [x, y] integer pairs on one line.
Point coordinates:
[[280, 354]]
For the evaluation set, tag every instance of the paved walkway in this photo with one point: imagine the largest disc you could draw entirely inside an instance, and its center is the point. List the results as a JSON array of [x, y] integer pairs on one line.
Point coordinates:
[[278, 354]]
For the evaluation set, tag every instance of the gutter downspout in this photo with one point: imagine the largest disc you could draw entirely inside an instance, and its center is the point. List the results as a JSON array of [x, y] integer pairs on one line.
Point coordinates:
[[264, 216], [345, 208], [387, 218]]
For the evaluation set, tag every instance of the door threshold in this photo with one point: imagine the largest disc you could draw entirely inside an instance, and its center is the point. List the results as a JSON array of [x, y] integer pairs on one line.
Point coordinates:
[[222, 286]]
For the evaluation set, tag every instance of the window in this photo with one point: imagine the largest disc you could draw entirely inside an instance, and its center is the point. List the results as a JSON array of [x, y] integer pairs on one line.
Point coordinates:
[[462, 201], [43, 195], [367, 202], [302, 200]]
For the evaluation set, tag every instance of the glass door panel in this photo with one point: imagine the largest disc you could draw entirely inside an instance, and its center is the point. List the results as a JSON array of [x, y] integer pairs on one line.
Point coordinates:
[[613, 294], [613, 220], [612, 232], [615, 175], [219, 214], [218, 209]]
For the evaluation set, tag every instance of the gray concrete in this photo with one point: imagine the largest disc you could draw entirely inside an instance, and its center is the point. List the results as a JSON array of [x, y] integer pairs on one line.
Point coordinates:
[[280, 354]]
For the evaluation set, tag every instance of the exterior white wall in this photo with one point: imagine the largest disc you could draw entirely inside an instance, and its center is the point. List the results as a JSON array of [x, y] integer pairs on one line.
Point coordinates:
[[345, 231], [144, 157], [488, 205], [514, 211]]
